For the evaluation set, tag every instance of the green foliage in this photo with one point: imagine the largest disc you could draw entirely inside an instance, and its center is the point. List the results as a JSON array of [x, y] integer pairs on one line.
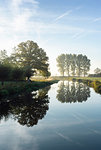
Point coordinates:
[[31, 57], [3, 56], [61, 63], [97, 71], [28, 72], [5, 71], [45, 73], [4, 93], [73, 64], [26, 60], [92, 82], [17, 73], [13, 88], [67, 63]]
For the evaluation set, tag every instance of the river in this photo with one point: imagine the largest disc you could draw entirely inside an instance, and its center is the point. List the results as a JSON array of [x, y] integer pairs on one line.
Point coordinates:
[[66, 115]]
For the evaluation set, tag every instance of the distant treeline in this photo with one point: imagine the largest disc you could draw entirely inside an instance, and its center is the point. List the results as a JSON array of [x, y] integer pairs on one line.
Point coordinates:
[[73, 65], [95, 75]]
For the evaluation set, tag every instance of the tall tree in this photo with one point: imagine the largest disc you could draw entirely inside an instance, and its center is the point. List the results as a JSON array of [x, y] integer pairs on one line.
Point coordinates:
[[68, 60], [30, 56], [17, 73], [4, 59], [73, 64], [61, 64], [79, 64], [5, 71], [85, 65]]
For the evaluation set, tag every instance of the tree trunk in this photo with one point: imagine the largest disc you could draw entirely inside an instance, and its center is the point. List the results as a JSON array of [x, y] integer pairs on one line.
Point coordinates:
[[68, 73], [63, 73], [28, 79]]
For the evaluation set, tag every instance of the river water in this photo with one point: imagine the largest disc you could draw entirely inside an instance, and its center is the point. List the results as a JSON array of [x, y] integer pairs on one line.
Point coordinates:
[[66, 115]]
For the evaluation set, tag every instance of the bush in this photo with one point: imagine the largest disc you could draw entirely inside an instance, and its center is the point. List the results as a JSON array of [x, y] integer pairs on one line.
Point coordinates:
[[4, 93]]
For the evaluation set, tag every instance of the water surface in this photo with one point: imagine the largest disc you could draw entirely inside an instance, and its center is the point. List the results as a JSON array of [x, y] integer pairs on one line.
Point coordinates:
[[64, 116]]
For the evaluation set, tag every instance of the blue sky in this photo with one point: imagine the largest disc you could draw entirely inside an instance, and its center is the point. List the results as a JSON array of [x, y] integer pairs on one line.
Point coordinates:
[[58, 26]]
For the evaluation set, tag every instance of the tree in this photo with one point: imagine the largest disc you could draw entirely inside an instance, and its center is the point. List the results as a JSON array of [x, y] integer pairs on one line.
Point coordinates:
[[45, 73], [79, 64], [68, 59], [85, 65], [17, 73], [28, 72], [73, 64], [61, 63], [30, 56], [4, 59], [3, 55], [5, 71], [97, 71]]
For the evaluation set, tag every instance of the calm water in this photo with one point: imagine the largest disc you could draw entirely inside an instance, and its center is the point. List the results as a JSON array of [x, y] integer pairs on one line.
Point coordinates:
[[64, 116]]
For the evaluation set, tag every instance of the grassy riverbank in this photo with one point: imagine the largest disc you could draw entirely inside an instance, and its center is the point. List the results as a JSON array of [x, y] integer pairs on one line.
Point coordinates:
[[11, 88], [94, 82], [82, 78], [88, 78]]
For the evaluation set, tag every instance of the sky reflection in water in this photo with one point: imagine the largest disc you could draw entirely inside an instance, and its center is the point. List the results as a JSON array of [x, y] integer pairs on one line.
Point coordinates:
[[68, 117]]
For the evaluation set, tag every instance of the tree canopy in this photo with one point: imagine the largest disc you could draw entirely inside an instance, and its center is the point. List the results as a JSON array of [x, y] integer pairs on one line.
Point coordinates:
[[97, 71], [26, 60], [29, 54], [72, 64]]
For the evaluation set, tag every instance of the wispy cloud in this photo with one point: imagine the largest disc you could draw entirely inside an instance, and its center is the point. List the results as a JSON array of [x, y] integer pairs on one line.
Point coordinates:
[[78, 35], [68, 12], [63, 15], [64, 137], [23, 20], [68, 139], [16, 3], [85, 32], [17, 21], [97, 19]]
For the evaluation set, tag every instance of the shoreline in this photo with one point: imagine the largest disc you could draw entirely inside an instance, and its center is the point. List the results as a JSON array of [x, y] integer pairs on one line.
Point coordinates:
[[12, 88]]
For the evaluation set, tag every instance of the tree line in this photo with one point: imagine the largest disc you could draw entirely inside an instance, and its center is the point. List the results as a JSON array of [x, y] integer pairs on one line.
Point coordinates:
[[97, 73], [26, 60], [73, 65]]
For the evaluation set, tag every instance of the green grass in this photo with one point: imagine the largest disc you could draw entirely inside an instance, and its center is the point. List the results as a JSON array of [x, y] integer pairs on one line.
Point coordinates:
[[12, 88], [89, 78], [70, 78], [94, 82]]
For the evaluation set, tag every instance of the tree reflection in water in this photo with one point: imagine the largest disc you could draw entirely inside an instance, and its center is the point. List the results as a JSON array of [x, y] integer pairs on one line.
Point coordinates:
[[26, 108], [72, 92]]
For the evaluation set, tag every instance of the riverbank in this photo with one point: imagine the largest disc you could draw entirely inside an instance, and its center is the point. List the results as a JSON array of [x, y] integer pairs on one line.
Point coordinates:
[[70, 78], [94, 82], [88, 78], [11, 88]]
